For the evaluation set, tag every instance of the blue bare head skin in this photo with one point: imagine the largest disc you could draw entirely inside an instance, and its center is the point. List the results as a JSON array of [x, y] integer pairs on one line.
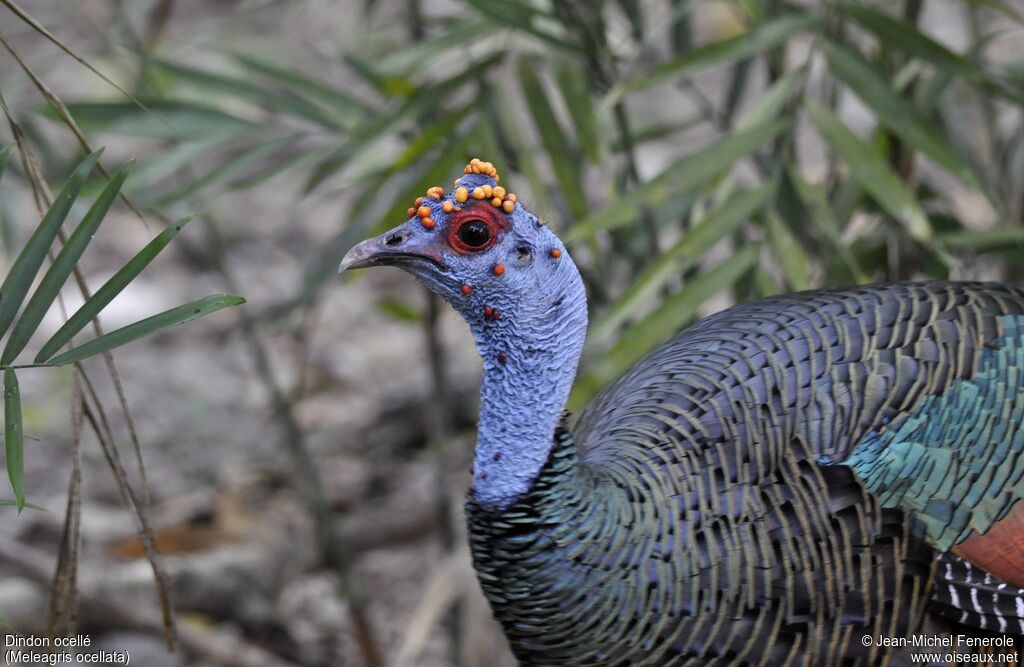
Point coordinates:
[[515, 284]]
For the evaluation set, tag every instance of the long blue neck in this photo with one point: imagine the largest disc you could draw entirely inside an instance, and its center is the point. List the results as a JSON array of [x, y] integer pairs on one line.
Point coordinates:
[[530, 357]]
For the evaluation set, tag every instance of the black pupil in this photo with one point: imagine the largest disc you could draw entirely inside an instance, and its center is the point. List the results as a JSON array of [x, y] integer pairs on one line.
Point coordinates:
[[474, 233]]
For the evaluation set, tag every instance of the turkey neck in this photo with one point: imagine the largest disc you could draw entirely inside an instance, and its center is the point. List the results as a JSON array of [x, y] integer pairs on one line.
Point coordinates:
[[530, 356]]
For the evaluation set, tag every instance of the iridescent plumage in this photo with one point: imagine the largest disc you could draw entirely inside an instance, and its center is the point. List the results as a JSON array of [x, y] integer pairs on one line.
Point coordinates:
[[768, 487]]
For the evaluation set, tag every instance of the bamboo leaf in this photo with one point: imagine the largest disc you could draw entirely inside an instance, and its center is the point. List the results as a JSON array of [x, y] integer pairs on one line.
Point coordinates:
[[168, 318], [182, 120], [872, 171], [684, 175], [435, 134], [240, 163], [426, 99], [555, 144], [897, 113], [428, 171], [524, 16], [460, 34], [14, 441], [771, 102], [348, 107], [787, 251], [26, 266], [110, 289], [5, 156], [732, 49], [61, 268], [153, 173], [815, 202], [501, 100], [656, 328], [244, 89], [904, 37], [581, 108], [985, 241], [717, 225], [7, 502]]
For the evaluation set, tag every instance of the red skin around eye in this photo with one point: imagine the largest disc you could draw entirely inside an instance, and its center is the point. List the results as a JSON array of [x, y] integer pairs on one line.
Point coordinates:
[[492, 217]]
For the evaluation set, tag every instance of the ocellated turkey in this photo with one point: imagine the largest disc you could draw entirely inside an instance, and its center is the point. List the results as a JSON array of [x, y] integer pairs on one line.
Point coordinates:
[[770, 486]]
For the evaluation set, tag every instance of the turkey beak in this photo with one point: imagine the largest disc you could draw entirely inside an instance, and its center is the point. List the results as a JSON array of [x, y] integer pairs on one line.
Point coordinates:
[[398, 247]]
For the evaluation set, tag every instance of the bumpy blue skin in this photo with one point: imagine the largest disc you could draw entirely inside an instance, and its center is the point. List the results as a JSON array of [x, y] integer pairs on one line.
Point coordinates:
[[540, 332]]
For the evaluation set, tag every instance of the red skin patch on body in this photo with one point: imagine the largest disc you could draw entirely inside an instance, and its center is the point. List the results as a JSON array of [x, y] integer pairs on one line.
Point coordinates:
[[1000, 551]]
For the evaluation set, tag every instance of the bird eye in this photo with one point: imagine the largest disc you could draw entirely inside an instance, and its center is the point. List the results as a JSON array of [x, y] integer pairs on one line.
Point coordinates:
[[475, 234], [475, 230]]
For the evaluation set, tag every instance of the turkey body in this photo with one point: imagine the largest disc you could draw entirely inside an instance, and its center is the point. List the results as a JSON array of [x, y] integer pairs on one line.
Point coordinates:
[[777, 482]]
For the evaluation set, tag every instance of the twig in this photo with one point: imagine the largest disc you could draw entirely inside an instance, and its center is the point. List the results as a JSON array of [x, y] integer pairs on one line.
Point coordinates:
[[64, 591], [145, 531]]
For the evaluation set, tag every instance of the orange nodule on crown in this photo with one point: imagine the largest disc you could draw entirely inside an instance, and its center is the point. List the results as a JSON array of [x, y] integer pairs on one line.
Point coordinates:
[[495, 195], [478, 166]]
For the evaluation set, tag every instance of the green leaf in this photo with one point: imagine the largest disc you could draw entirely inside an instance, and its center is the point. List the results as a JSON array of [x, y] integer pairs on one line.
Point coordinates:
[[13, 437], [460, 34], [904, 37], [244, 89], [426, 99], [685, 174], [501, 99], [787, 251], [61, 268], [985, 241], [5, 155], [559, 151], [183, 120], [572, 82], [815, 201], [657, 327], [25, 267], [6, 502], [168, 318], [771, 102], [761, 38], [150, 175], [896, 113], [346, 106], [436, 168], [525, 16], [435, 134], [717, 225], [240, 163], [870, 168], [110, 289]]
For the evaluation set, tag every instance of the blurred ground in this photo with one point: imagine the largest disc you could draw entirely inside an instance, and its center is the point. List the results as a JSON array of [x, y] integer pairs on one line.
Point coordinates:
[[224, 500]]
